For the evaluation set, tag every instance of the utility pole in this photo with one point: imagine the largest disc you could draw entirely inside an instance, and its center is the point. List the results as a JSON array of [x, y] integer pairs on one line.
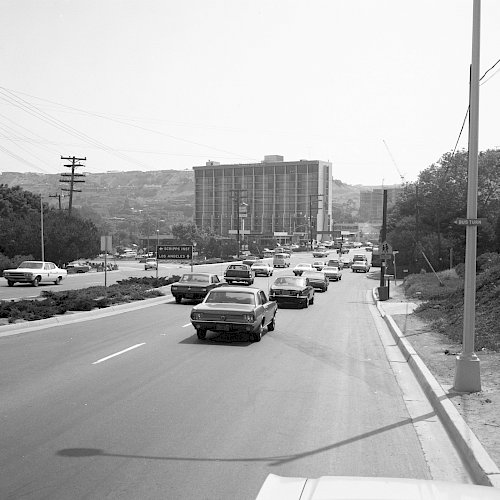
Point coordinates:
[[72, 178], [468, 374], [311, 196], [56, 196], [383, 237], [236, 195]]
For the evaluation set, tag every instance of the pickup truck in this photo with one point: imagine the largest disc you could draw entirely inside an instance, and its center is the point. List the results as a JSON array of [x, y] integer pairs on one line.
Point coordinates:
[[360, 264], [239, 273]]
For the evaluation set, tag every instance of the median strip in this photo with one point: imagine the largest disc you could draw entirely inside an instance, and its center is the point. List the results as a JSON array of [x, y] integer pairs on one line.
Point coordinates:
[[117, 353]]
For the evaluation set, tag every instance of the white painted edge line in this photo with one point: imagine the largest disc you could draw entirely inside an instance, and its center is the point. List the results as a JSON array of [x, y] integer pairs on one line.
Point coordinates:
[[186, 325], [118, 353]]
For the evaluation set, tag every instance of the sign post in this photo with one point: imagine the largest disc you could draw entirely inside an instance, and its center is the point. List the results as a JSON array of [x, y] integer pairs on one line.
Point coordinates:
[[106, 246]]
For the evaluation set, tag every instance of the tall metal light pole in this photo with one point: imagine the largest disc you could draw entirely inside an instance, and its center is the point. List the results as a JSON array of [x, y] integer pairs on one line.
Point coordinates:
[[467, 375]]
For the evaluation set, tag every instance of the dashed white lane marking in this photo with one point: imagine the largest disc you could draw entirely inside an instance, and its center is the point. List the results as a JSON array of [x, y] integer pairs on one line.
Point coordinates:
[[117, 353], [186, 325]]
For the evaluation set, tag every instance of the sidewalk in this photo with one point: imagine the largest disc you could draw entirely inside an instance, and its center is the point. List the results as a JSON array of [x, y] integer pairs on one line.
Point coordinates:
[[472, 420]]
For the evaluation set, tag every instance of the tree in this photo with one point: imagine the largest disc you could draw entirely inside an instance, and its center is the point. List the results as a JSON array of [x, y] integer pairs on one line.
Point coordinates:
[[427, 209], [66, 238], [186, 233]]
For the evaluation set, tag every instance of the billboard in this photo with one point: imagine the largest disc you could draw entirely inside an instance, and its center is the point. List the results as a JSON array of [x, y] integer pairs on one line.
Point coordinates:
[[175, 252]]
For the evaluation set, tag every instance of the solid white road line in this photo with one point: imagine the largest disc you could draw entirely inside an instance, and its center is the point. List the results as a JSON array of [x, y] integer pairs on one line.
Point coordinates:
[[117, 353]]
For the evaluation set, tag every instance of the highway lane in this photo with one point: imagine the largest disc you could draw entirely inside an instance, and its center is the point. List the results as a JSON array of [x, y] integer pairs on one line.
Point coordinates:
[[168, 416]]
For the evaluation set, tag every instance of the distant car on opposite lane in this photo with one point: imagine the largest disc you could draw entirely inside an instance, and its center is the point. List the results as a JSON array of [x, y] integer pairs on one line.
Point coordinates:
[[235, 309], [77, 267], [150, 263], [194, 286]]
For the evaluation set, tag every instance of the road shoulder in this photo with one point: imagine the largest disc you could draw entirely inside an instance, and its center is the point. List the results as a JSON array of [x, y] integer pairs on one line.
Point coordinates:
[[480, 411]]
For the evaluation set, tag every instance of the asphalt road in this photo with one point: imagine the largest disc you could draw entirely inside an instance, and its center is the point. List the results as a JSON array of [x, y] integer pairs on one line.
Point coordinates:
[[134, 406]]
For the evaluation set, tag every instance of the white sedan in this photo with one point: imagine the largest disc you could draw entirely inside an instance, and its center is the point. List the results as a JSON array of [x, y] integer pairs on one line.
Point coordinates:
[[262, 268], [35, 272]]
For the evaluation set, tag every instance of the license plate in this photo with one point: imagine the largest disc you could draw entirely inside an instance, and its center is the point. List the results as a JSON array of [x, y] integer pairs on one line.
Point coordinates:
[[189, 295], [223, 328]]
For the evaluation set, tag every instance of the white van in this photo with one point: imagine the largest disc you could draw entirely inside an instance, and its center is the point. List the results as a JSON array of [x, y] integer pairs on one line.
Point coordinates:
[[281, 260]]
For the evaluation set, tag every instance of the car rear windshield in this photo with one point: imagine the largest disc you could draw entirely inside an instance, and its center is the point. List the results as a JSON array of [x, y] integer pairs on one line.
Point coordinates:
[[221, 297], [197, 278], [290, 280]]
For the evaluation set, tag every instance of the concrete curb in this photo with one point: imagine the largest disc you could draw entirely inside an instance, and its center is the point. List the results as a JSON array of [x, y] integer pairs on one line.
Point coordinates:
[[483, 468], [77, 317]]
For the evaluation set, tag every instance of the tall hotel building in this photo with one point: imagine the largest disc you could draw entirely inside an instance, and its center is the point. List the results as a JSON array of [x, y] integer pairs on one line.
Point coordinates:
[[286, 201]]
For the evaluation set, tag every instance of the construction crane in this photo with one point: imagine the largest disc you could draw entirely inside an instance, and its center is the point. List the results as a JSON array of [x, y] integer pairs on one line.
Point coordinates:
[[403, 180]]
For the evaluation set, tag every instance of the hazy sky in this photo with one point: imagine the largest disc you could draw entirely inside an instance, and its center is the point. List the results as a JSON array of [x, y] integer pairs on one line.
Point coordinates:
[[169, 84]]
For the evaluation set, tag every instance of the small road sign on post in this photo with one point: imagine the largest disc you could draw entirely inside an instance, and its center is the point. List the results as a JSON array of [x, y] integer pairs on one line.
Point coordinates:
[[470, 222], [385, 250]]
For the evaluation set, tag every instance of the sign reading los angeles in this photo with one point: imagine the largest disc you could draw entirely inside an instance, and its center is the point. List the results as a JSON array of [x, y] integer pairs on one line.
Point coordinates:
[[175, 252]]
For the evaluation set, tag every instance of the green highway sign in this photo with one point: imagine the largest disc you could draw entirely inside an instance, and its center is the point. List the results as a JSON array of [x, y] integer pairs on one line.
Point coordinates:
[[470, 222]]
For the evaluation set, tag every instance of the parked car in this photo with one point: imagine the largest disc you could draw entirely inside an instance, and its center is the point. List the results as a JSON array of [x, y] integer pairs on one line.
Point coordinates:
[[262, 268], [292, 290], [250, 260], [150, 263], [318, 265], [194, 286], [332, 273], [239, 273], [77, 267], [317, 279], [300, 268], [35, 272], [235, 309]]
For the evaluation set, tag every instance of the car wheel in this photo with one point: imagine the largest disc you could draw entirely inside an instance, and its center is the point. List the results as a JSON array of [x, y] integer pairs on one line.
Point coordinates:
[[201, 333], [258, 334], [36, 281], [312, 300], [305, 305], [178, 299], [10, 283], [272, 324], [58, 280]]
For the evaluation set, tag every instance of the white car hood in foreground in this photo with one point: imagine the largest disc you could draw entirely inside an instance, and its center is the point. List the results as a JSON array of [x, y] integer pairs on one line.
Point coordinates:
[[370, 488]]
